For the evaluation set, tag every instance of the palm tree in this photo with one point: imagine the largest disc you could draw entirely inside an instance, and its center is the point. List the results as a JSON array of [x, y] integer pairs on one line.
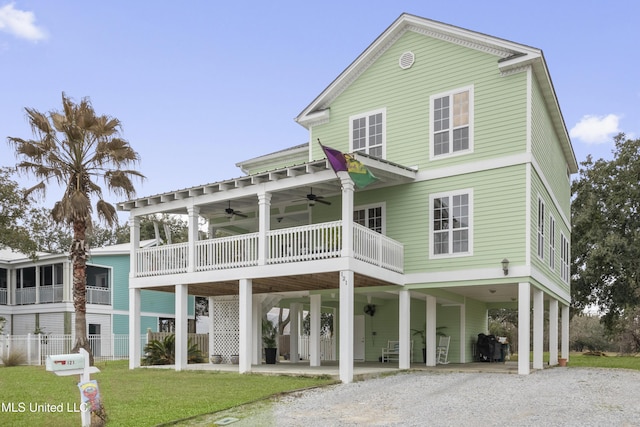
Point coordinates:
[[74, 148]]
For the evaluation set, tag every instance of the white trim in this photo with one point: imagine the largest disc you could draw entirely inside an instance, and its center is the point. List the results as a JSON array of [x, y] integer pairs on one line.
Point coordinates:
[[528, 216], [450, 93], [366, 115], [529, 111], [469, 193]]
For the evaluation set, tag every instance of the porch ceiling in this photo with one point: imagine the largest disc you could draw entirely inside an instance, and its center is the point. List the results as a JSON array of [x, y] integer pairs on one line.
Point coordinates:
[[288, 186], [284, 284]]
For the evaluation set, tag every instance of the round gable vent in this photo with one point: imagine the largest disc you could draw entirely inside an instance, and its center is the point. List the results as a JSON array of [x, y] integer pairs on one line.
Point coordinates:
[[406, 60]]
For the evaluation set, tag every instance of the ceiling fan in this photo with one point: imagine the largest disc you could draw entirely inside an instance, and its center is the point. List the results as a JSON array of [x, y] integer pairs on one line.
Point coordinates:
[[230, 212], [312, 198]]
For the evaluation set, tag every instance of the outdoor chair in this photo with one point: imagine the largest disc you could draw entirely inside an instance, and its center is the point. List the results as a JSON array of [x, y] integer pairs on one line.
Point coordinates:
[[442, 351]]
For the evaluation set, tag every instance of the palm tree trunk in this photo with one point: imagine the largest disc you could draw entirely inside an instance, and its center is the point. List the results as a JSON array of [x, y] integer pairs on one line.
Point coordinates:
[[78, 255]]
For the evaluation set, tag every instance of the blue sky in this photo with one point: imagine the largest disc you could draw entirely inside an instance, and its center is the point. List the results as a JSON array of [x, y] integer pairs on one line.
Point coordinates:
[[201, 85]]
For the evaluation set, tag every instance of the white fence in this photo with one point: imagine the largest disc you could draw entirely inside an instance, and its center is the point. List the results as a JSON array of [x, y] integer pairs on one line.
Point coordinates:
[[327, 348], [36, 348]]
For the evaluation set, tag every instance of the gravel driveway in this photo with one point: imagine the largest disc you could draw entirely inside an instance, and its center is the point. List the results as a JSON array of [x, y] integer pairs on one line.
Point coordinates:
[[552, 397]]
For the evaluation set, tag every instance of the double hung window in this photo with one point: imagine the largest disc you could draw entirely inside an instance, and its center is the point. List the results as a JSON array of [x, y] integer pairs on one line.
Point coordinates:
[[451, 122], [451, 223], [565, 252], [541, 229], [368, 133]]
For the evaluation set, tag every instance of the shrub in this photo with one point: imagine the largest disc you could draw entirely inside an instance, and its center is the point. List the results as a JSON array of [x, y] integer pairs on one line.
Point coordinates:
[[15, 358], [163, 352]]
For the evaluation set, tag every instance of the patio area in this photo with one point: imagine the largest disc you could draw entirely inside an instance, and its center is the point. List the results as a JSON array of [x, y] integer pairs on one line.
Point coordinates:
[[361, 370]]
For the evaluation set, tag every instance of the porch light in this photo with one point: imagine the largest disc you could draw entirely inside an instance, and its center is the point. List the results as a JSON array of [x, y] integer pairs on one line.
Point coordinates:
[[505, 266]]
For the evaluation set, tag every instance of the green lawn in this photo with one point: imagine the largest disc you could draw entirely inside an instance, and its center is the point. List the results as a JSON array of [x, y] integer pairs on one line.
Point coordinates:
[[583, 360], [147, 397], [140, 397]]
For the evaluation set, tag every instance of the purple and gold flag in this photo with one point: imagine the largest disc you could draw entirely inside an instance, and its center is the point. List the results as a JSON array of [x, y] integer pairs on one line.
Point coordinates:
[[340, 162]]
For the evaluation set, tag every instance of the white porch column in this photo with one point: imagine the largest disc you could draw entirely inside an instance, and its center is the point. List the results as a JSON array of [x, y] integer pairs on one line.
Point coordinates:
[[564, 347], [37, 278], [264, 223], [256, 330], [431, 330], [212, 326], [194, 214], [134, 328], [524, 322], [553, 332], [346, 325], [314, 338], [404, 332], [294, 332], [538, 328], [347, 215], [182, 296], [134, 238], [246, 289], [463, 332]]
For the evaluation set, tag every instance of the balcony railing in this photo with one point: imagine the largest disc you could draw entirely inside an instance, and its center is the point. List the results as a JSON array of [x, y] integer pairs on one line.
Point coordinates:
[[161, 260], [227, 252], [309, 242], [3, 296], [49, 294], [98, 295], [305, 243], [26, 296]]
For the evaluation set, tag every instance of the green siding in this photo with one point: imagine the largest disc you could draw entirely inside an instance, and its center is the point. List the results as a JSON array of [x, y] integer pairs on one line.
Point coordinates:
[[539, 190], [548, 153], [499, 107]]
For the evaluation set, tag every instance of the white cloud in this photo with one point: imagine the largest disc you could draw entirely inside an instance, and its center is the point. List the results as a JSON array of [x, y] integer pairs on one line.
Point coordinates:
[[596, 129], [20, 23]]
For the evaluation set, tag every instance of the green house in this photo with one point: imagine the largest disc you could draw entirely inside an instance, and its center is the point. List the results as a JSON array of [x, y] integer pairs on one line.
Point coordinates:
[[469, 211]]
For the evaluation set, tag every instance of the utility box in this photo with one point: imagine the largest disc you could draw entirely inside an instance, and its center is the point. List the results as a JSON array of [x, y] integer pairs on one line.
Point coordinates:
[[65, 362]]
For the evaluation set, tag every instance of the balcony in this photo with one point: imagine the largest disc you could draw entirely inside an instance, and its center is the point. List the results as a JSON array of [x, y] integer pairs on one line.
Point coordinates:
[[3, 296], [296, 244]]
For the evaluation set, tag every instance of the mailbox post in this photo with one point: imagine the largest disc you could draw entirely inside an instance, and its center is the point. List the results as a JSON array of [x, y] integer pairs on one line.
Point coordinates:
[[73, 364]]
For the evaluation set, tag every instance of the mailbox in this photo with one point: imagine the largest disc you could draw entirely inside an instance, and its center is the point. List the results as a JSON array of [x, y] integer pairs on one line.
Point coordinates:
[[65, 362]]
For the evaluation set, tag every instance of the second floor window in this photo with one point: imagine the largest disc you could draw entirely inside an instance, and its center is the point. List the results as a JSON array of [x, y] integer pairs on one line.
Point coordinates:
[[451, 229], [371, 217], [368, 133], [565, 254], [452, 122], [541, 217]]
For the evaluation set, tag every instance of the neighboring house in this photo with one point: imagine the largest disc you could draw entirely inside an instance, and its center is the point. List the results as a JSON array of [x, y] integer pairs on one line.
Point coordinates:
[[473, 160], [37, 296]]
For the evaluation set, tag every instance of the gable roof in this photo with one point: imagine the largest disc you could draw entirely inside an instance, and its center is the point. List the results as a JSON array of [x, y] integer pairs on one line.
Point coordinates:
[[511, 57]]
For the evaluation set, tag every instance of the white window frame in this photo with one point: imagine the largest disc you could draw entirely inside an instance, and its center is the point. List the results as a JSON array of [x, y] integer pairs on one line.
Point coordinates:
[[383, 213], [565, 254], [552, 243], [450, 94], [540, 228], [367, 116], [451, 254]]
